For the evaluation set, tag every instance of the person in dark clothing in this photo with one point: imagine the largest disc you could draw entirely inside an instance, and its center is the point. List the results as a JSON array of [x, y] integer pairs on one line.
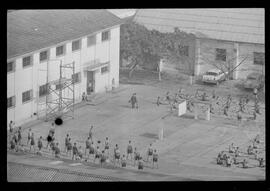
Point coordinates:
[[133, 100], [75, 151]]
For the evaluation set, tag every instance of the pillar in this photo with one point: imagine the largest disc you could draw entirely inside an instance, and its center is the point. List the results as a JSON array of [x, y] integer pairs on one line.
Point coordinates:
[[237, 61], [197, 57]]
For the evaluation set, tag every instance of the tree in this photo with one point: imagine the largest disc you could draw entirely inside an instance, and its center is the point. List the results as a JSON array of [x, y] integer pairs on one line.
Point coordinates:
[[145, 46]]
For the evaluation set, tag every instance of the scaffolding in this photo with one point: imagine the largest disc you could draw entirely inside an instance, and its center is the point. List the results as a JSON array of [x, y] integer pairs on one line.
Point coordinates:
[[62, 105], [60, 96]]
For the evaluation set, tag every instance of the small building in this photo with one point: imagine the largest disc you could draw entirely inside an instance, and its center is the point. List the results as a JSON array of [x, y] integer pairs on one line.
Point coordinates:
[[231, 38], [40, 41]]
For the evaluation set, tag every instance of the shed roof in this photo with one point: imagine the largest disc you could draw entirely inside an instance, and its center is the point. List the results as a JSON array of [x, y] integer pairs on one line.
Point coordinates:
[[239, 25], [30, 30]]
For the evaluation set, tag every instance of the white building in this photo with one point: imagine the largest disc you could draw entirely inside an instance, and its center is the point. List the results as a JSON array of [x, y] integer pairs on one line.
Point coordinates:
[[38, 41]]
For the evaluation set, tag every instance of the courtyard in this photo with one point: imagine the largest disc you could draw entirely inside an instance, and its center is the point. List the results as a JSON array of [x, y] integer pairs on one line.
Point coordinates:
[[189, 147]]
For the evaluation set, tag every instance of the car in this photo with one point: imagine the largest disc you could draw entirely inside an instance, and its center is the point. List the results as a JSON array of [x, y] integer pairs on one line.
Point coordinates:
[[254, 80], [214, 76]]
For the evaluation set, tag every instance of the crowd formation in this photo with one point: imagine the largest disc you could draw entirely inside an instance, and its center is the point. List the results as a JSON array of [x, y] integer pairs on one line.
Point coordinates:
[[92, 151], [233, 155], [220, 104]]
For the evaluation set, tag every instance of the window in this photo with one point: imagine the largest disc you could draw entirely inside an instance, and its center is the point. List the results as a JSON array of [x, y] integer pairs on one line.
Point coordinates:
[[76, 77], [27, 61], [60, 50], [11, 102], [105, 35], [11, 66], [76, 45], [26, 96], [58, 86], [258, 58], [43, 56], [183, 50], [91, 40], [221, 54], [104, 69], [43, 90]]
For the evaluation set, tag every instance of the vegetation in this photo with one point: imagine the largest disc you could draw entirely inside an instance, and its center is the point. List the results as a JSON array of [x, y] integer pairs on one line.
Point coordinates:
[[142, 46]]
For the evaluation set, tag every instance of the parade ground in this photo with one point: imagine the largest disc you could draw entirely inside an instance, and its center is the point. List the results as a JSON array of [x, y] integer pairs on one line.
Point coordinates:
[[187, 151]]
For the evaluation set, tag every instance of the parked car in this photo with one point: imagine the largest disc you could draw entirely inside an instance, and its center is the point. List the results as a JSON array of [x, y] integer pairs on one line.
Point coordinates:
[[254, 80], [214, 76]]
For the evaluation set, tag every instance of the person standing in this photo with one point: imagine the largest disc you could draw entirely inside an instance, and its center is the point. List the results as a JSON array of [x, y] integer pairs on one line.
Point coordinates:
[[155, 158], [40, 145], [149, 152], [57, 151], [29, 135], [19, 135], [133, 100], [107, 147], [129, 150], [11, 126], [91, 133], [32, 143], [66, 142], [87, 144], [74, 151]]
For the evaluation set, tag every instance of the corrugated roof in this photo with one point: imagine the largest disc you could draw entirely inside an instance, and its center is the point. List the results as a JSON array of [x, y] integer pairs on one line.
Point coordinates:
[[30, 30], [239, 25]]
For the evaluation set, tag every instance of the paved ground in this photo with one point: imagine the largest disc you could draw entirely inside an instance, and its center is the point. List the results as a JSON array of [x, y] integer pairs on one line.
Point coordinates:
[[189, 147]]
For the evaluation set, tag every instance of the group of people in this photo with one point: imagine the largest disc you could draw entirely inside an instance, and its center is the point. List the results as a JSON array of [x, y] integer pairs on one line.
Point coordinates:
[[76, 152], [233, 154], [243, 102]]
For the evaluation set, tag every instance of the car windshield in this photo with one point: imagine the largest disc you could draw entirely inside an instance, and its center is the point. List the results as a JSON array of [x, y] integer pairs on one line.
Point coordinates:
[[211, 73]]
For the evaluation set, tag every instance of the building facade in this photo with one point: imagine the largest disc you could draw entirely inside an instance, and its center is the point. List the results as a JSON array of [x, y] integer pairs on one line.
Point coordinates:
[[233, 38], [95, 54]]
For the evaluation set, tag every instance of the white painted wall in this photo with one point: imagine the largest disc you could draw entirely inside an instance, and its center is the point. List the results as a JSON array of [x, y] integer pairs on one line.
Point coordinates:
[[206, 48], [32, 77]]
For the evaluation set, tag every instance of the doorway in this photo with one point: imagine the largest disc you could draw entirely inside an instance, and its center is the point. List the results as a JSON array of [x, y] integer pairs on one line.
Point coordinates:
[[90, 82]]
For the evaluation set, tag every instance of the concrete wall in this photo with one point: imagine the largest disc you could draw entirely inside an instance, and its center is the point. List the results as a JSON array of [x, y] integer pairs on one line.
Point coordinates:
[[236, 53], [32, 77]]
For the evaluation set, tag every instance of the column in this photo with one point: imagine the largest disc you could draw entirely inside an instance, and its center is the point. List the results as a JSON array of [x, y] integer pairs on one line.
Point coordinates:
[[197, 57], [237, 61]]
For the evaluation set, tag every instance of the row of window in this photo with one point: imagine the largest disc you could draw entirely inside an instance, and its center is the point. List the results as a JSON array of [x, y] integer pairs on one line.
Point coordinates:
[[43, 90], [60, 51], [258, 57]]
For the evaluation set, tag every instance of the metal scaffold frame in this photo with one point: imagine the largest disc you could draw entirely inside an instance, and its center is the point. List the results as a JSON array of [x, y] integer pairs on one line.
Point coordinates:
[[61, 106]]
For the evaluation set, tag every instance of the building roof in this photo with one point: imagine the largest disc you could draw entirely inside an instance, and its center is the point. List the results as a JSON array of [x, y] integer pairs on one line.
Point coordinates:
[[239, 25], [30, 30]]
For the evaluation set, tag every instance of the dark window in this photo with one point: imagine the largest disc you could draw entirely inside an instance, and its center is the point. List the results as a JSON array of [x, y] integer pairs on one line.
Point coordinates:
[[27, 61], [58, 86], [221, 54], [26, 96], [43, 90], [11, 102], [76, 77], [60, 50], [10, 66], [76, 45], [104, 69], [183, 50], [91, 40], [105, 35], [258, 58], [43, 56]]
